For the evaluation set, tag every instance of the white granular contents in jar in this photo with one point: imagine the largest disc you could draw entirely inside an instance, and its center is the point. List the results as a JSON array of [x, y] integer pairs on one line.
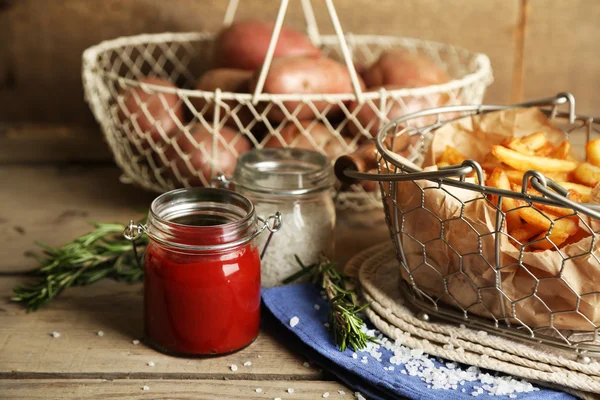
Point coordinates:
[[306, 231]]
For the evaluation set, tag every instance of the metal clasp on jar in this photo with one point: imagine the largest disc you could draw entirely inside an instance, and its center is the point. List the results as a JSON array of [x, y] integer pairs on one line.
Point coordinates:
[[272, 223]]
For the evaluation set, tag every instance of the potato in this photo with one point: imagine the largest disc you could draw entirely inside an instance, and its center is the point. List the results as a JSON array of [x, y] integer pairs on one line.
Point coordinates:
[[226, 79], [369, 119], [146, 117], [244, 44], [304, 75], [230, 145], [398, 67], [321, 139]]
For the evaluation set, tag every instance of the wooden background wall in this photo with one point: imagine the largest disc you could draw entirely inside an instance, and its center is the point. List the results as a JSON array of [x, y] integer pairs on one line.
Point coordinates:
[[537, 48]]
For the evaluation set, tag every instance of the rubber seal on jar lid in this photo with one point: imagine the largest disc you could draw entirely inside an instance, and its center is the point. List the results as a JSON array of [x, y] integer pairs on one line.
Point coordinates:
[[279, 171]]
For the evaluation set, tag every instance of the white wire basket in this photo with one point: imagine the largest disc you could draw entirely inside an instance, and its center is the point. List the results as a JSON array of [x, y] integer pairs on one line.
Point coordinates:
[[153, 157]]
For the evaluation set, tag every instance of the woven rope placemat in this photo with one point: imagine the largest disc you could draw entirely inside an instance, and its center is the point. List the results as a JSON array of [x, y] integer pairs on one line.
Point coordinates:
[[379, 276]]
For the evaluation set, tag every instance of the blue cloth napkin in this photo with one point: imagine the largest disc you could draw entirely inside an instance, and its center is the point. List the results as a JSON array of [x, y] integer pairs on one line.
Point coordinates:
[[316, 343]]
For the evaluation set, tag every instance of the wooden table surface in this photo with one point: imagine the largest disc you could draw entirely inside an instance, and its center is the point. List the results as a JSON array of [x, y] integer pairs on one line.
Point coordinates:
[[53, 204]]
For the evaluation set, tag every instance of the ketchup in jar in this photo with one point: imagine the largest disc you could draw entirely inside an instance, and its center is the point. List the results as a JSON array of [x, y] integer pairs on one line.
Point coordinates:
[[202, 272]]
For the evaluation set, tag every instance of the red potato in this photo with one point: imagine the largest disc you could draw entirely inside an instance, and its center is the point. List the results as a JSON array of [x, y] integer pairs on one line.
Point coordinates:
[[398, 67], [369, 119], [144, 115], [231, 144], [228, 80], [244, 44], [304, 75], [321, 137]]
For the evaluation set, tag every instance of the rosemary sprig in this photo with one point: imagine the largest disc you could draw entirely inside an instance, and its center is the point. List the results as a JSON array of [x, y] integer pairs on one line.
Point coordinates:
[[343, 303], [101, 253]]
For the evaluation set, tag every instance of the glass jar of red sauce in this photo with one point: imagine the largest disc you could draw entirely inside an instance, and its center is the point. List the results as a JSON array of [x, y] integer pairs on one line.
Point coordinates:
[[202, 271]]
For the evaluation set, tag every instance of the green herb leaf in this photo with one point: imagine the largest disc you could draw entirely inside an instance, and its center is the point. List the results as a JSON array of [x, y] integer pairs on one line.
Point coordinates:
[[344, 320], [99, 254]]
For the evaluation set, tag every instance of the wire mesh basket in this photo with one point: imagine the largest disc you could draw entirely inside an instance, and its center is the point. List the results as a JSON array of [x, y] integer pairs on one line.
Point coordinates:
[[457, 258], [150, 151]]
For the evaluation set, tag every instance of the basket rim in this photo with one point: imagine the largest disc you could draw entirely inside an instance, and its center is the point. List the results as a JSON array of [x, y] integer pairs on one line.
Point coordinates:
[[482, 70]]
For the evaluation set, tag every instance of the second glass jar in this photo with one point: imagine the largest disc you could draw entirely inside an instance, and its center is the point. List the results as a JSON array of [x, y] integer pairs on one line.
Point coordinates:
[[299, 184]]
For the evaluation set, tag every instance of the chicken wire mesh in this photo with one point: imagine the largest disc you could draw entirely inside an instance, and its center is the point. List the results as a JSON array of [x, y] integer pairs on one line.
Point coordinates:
[[459, 262], [166, 136]]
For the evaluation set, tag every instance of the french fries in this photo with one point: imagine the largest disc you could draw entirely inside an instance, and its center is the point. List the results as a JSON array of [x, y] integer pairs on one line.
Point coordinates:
[[533, 225], [450, 156], [587, 174], [524, 162], [499, 180], [584, 191], [535, 141], [592, 150]]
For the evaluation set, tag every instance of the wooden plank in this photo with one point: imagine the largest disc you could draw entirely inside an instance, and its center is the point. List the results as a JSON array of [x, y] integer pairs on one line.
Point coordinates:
[[173, 389], [561, 51], [45, 52], [27, 350], [51, 143], [55, 204]]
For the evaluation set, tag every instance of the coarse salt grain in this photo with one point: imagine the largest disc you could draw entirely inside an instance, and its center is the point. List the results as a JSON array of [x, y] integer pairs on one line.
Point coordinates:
[[306, 364], [247, 363], [445, 375], [354, 355], [359, 396], [259, 356], [55, 334], [325, 395], [512, 396], [341, 392], [481, 333], [151, 363], [290, 390], [233, 367], [326, 325], [135, 342], [146, 388], [277, 398], [463, 326], [258, 390], [294, 321], [317, 307], [100, 333]]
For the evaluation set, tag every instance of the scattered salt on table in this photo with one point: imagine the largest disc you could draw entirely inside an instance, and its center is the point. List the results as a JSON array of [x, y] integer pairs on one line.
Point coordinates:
[[326, 325], [317, 307], [325, 395], [354, 355], [290, 390], [306, 364], [55, 334], [151, 363], [100, 333], [258, 390], [247, 363], [136, 342], [233, 367], [146, 388], [359, 396], [341, 392], [294, 321]]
